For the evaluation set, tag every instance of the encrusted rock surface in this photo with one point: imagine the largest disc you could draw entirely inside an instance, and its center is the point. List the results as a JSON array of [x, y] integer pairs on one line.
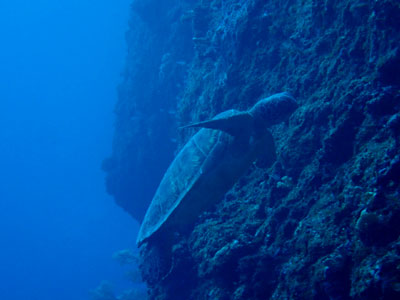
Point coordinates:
[[159, 49], [324, 221]]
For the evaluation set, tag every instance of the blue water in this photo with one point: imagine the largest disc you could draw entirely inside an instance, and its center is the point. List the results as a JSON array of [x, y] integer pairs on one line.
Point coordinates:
[[60, 65]]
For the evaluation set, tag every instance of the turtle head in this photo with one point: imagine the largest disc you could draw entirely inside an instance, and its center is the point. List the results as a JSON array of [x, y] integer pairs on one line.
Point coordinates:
[[273, 110], [265, 113]]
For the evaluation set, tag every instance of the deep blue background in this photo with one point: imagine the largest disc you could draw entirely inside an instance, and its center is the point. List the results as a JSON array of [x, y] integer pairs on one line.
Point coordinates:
[[59, 67]]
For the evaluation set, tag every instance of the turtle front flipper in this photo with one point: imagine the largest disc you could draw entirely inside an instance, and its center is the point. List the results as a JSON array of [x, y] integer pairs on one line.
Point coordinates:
[[233, 122]]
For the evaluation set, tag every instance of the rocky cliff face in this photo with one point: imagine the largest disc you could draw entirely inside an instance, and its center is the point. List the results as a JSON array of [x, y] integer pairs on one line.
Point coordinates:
[[159, 51], [324, 221]]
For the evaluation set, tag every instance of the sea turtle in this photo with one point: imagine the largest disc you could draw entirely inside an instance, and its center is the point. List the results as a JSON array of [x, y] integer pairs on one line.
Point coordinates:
[[211, 162]]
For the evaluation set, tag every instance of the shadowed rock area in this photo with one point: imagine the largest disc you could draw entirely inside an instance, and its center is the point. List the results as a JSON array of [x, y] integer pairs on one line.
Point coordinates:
[[323, 222]]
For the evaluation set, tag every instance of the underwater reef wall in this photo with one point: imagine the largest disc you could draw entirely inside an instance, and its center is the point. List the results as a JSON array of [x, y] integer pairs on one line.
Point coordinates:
[[323, 222], [159, 47]]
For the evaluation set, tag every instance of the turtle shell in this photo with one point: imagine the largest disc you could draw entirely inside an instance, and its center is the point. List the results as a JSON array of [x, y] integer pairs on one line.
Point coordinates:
[[202, 172]]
